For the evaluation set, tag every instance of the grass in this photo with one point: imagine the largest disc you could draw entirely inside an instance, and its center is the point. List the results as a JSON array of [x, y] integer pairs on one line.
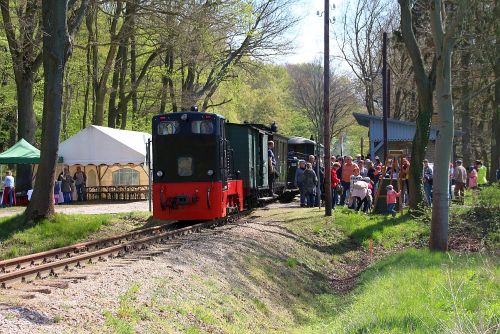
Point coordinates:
[[417, 291], [488, 197], [17, 239], [406, 289]]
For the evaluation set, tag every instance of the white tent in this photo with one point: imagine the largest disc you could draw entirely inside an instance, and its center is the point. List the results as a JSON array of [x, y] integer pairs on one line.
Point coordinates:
[[99, 145]]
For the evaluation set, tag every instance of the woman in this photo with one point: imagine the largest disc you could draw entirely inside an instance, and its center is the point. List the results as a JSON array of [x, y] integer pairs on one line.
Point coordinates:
[[9, 193], [310, 181]]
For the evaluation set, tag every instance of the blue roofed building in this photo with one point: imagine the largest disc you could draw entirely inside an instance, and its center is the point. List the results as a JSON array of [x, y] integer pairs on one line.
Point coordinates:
[[399, 135]]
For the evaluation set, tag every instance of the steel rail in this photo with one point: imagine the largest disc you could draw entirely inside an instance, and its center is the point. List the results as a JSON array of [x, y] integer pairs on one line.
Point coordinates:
[[67, 251], [50, 268]]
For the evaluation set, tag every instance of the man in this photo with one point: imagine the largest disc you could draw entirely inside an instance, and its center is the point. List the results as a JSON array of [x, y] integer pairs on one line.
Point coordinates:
[[299, 183], [460, 178], [428, 182], [80, 180], [271, 165], [481, 173], [347, 172]]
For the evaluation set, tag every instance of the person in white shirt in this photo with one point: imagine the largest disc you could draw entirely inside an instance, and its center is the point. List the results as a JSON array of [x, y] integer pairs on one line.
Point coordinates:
[[9, 194]]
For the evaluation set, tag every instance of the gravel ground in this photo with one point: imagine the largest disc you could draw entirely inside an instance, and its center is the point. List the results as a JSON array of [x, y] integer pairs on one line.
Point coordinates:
[[75, 302], [90, 208]]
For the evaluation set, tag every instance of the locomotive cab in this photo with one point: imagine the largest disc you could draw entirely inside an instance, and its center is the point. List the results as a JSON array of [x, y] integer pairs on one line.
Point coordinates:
[[191, 168]]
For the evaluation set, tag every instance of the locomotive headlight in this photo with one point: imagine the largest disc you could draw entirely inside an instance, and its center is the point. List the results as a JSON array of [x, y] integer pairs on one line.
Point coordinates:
[[210, 172], [159, 173]]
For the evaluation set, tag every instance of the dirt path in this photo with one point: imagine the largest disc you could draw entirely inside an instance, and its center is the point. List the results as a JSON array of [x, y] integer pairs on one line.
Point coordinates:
[[90, 208], [248, 272]]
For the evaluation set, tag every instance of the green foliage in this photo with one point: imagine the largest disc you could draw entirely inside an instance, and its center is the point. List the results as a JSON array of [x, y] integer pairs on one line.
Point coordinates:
[[262, 96]]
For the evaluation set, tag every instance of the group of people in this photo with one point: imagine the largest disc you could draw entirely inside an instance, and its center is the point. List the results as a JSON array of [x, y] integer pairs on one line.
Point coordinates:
[[352, 182], [355, 181], [67, 184], [460, 179]]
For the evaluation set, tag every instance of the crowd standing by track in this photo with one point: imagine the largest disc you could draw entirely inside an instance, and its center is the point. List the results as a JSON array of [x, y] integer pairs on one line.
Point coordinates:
[[355, 182]]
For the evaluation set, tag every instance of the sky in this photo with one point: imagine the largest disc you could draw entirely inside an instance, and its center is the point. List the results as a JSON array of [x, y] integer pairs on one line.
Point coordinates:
[[308, 35]]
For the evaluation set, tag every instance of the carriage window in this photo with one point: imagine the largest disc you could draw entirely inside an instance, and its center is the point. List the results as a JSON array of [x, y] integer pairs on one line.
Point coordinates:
[[168, 128], [202, 127], [185, 166]]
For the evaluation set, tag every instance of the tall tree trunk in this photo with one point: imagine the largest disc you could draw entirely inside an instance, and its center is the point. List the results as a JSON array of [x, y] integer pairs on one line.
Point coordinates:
[[112, 110], [495, 131], [444, 145], [66, 108], [121, 89], [171, 88], [26, 125], [102, 89], [87, 84], [133, 72], [425, 88], [55, 45], [419, 145], [91, 23], [369, 104], [444, 43], [466, 119]]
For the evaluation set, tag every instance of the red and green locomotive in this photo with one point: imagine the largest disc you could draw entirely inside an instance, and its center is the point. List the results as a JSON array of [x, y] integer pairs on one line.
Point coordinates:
[[205, 168]]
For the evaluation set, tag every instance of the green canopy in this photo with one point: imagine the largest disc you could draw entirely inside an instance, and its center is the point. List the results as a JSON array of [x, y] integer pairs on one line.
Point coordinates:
[[21, 153]]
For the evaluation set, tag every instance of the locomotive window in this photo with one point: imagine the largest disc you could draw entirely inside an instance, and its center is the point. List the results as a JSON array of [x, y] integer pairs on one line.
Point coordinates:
[[202, 127], [168, 128], [185, 166]]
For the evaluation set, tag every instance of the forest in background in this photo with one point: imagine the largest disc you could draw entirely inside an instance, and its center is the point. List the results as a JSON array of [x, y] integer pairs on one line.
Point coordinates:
[[132, 59]]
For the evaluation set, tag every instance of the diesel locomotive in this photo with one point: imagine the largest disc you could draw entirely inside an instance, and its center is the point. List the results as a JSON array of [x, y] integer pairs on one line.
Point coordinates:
[[206, 168]]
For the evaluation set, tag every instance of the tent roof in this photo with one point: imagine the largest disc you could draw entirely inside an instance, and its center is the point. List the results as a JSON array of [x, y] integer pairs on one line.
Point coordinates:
[[99, 145], [21, 153]]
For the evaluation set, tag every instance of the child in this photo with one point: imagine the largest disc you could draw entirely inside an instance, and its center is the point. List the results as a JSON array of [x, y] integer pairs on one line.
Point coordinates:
[[472, 178], [391, 199], [354, 178]]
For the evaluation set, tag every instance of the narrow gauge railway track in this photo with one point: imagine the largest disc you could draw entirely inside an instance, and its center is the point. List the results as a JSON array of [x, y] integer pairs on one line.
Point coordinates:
[[50, 263]]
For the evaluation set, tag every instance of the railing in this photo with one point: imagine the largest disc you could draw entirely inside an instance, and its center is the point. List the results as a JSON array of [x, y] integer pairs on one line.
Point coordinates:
[[117, 193]]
